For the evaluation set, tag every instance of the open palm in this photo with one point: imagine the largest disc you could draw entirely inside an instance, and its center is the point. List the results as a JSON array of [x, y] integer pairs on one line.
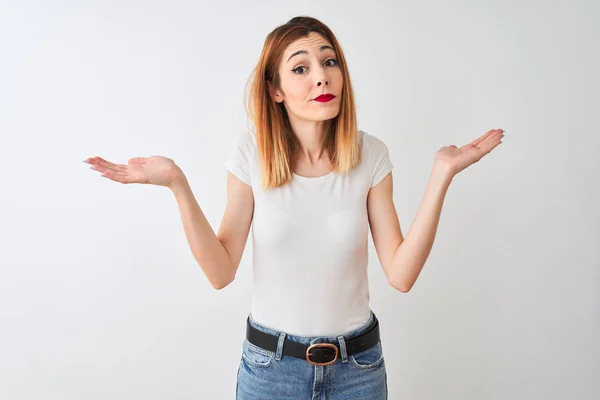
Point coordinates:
[[456, 159], [154, 170]]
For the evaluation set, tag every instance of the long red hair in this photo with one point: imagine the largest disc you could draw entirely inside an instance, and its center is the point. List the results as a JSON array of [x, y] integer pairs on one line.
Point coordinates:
[[276, 142]]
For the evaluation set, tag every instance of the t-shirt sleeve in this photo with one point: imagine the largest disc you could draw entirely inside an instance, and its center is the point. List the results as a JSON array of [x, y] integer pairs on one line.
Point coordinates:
[[238, 161], [382, 165]]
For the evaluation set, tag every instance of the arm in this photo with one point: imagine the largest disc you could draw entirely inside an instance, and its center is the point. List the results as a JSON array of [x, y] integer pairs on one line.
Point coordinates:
[[218, 255], [403, 259]]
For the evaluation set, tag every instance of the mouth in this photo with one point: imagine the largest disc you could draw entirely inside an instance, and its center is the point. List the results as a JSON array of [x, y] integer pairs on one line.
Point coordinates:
[[324, 98]]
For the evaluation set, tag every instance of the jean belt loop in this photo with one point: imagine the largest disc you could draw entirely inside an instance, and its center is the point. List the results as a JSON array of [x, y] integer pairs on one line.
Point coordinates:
[[279, 352], [343, 354]]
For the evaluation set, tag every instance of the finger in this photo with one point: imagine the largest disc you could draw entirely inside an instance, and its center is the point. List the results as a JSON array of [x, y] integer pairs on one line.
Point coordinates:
[[491, 139], [92, 160], [481, 138], [489, 134], [108, 164], [104, 169], [116, 177], [117, 168], [103, 162], [489, 145]]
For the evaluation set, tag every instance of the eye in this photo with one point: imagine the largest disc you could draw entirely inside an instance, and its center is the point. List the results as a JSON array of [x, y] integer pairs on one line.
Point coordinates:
[[295, 70], [333, 62]]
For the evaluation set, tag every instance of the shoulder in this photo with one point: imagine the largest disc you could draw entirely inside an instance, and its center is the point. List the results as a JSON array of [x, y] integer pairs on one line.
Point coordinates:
[[373, 146], [376, 157], [246, 140]]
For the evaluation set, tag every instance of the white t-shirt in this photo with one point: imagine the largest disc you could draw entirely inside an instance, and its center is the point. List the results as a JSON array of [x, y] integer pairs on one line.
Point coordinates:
[[310, 243]]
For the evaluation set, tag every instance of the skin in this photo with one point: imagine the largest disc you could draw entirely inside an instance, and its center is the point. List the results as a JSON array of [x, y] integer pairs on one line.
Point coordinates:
[[303, 78], [402, 258]]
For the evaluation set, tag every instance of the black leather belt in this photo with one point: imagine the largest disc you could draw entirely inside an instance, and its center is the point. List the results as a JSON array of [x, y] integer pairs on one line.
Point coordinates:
[[318, 353]]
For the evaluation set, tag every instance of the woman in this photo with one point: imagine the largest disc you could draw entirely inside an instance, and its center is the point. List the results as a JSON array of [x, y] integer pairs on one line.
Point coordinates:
[[311, 184]]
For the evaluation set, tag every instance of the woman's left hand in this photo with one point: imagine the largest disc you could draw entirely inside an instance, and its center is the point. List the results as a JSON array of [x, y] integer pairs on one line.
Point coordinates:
[[453, 159]]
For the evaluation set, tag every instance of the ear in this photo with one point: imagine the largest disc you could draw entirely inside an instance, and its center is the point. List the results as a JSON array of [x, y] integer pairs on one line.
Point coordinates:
[[276, 94]]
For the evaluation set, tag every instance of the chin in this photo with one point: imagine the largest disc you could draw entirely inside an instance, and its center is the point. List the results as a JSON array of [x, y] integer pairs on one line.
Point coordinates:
[[325, 115], [321, 118], [329, 116]]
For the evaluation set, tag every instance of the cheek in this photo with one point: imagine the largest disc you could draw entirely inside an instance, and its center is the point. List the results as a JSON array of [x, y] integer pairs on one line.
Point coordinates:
[[298, 92], [338, 78]]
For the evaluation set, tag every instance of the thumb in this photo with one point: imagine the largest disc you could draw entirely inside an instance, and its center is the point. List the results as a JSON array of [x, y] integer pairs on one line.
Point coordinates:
[[137, 160]]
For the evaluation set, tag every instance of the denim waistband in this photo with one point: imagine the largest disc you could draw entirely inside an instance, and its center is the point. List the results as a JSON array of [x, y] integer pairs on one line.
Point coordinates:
[[316, 339]]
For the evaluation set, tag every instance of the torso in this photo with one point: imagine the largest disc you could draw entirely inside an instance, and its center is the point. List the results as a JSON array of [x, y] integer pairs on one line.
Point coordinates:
[[310, 245], [304, 169]]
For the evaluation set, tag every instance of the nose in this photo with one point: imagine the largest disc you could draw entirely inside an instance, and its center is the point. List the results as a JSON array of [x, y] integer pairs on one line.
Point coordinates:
[[322, 78]]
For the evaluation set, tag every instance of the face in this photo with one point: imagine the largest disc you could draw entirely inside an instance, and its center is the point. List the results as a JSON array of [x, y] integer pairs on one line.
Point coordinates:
[[308, 69]]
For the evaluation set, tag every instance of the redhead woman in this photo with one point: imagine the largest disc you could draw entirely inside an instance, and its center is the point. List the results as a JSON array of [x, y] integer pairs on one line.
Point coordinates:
[[311, 185]]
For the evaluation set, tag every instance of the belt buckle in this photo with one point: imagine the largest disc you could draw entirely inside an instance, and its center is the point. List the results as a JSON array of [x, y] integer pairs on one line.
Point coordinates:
[[308, 354]]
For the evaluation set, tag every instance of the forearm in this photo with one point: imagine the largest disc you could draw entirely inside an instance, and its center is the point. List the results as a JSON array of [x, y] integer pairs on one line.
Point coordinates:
[[206, 248], [409, 258]]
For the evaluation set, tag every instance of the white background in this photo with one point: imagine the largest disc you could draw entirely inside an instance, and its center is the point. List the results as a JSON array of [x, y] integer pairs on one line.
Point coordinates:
[[100, 297]]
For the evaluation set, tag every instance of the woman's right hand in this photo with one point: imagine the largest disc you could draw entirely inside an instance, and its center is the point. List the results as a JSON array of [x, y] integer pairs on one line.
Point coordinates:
[[154, 170]]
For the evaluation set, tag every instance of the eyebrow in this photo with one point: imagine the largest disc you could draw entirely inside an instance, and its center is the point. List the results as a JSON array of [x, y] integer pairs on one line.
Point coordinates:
[[325, 47]]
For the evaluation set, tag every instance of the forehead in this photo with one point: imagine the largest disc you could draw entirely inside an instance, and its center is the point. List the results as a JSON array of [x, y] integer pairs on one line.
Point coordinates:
[[310, 43]]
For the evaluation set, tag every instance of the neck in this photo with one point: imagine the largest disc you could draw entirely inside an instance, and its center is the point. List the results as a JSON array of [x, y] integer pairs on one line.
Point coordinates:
[[311, 135]]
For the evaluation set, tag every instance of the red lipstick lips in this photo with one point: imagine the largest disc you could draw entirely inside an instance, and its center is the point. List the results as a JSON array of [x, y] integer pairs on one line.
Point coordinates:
[[325, 98]]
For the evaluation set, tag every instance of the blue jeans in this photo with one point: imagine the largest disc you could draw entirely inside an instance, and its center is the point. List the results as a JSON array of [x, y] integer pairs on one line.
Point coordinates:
[[268, 375]]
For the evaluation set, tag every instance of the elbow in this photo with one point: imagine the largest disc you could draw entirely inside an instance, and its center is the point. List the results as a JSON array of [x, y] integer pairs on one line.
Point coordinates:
[[405, 289], [221, 284], [219, 278], [401, 286]]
